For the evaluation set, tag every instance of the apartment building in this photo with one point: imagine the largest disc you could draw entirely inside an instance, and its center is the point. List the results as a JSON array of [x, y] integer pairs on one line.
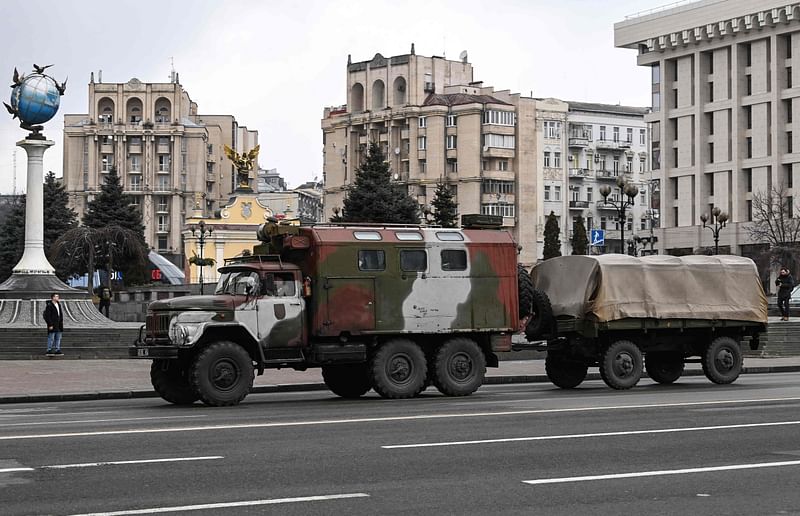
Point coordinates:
[[169, 157], [725, 119], [436, 124]]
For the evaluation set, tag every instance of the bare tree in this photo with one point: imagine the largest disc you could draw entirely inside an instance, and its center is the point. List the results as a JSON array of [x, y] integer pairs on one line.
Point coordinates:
[[776, 222]]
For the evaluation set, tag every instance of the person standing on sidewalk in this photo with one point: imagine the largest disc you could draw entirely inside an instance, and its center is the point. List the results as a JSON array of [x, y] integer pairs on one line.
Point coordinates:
[[785, 284], [54, 318], [105, 300]]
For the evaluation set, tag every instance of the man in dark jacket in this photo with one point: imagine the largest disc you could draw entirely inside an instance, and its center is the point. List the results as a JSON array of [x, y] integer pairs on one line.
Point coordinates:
[[54, 318], [785, 284]]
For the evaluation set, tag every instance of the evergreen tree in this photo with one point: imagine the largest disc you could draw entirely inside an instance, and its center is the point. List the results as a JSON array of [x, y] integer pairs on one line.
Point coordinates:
[[552, 244], [446, 214], [12, 238], [374, 198], [58, 218], [580, 243]]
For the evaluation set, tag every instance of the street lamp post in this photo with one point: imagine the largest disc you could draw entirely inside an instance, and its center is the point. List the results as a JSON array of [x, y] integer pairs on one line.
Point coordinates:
[[629, 192], [202, 231], [719, 219]]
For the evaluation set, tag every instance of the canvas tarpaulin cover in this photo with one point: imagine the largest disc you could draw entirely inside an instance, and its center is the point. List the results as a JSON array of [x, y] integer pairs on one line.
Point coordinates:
[[616, 286]]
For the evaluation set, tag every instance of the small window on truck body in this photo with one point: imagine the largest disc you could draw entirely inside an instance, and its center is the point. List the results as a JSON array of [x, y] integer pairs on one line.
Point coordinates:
[[413, 260], [408, 235], [367, 235], [449, 236], [454, 260], [371, 260]]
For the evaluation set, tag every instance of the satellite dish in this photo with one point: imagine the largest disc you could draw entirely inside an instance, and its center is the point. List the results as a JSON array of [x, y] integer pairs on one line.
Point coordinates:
[[463, 56], [396, 176], [397, 150]]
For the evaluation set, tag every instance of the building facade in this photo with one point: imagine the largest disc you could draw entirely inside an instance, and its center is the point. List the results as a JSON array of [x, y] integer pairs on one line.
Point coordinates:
[[725, 119], [169, 158]]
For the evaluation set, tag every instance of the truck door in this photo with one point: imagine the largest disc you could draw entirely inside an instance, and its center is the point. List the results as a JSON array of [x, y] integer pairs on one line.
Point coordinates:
[[349, 306], [280, 311]]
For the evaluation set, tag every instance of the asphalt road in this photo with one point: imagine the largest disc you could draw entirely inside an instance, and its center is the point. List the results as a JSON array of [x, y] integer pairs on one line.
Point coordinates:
[[690, 448]]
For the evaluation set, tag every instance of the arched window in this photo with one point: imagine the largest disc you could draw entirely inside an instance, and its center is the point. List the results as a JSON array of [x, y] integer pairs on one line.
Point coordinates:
[[399, 88], [357, 98], [163, 111], [378, 95], [133, 111], [105, 111]]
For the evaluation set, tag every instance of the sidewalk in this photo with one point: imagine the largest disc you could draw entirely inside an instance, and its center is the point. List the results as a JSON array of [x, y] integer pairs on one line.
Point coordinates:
[[23, 381]]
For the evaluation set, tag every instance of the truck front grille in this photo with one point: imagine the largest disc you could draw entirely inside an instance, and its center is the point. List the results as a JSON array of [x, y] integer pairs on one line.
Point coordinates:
[[157, 324]]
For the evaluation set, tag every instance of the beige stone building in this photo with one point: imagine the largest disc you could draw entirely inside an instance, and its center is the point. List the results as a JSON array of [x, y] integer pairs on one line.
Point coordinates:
[[169, 157], [725, 118]]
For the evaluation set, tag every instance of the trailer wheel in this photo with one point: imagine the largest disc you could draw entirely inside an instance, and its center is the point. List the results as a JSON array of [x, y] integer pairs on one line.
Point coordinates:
[[541, 320], [722, 360], [398, 369], [459, 367], [621, 365], [664, 368], [171, 381], [563, 372], [347, 380], [525, 292], [222, 374]]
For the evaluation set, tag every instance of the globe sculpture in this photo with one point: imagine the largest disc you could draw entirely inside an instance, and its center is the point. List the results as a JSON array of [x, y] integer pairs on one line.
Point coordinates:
[[35, 99]]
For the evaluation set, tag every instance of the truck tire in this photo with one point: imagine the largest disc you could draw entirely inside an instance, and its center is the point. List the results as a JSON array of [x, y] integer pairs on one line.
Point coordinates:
[[171, 381], [524, 291], [664, 368], [347, 380], [562, 372], [722, 360], [398, 369], [459, 367], [621, 365], [222, 374], [541, 321]]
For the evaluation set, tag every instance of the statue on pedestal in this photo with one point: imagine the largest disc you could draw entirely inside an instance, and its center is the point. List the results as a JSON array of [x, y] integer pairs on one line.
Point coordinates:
[[244, 164]]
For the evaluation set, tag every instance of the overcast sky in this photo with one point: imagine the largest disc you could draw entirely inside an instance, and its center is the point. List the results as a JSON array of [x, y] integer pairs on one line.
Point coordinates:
[[275, 65]]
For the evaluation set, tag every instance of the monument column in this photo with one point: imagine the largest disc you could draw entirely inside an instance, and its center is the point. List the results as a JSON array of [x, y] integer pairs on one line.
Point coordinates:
[[33, 259]]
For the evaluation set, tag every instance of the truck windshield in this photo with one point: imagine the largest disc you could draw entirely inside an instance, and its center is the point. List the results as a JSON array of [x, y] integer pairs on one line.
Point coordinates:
[[236, 283]]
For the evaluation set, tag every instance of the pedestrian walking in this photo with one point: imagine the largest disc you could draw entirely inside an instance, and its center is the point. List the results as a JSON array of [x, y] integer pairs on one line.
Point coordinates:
[[105, 300], [54, 318], [785, 284]]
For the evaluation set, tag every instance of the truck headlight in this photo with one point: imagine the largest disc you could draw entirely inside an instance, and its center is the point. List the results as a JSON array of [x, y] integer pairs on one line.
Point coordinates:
[[184, 334]]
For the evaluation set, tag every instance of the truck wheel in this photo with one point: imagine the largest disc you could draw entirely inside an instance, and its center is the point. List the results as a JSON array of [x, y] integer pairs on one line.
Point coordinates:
[[722, 360], [398, 369], [459, 367], [664, 368], [541, 320], [222, 374], [564, 373], [524, 291], [347, 380], [621, 365], [171, 381]]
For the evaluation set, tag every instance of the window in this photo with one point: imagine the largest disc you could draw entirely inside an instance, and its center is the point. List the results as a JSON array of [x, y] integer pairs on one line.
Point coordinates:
[[501, 141], [602, 132], [502, 209], [655, 82], [163, 163], [135, 183], [552, 129], [162, 243], [451, 141], [546, 192], [367, 235], [603, 223], [557, 159], [494, 117], [107, 140], [557, 193], [546, 158], [371, 260], [136, 163], [423, 166], [449, 236], [485, 165], [616, 134], [589, 192], [454, 260], [163, 223], [163, 184], [163, 203], [134, 140], [629, 164], [422, 143], [408, 235], [494, 186], [106, 162], [749, 211], [616, 166], [502, 165], [748, 174], [413, 260], [629, 135], [423, 121], [452, 166], [450, 121]]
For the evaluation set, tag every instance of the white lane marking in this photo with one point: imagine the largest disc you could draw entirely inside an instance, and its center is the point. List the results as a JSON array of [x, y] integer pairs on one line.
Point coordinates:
[[224, 505], [242, 426], [13, 470], [584, 436], [3, 425], [123, 462], [662, 472]]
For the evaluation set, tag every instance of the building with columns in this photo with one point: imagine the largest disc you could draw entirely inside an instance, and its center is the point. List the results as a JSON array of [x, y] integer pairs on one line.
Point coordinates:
[[169, 157], [725, 119]]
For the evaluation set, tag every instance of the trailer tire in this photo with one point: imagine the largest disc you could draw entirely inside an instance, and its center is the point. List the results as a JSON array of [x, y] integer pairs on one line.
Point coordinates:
[[722, 360], [541, 321], [171, 381], [621, 365], [222, 374], [562, 372], [664, 368], [525, 292], [459, 367], [347, 380], [398, 369]]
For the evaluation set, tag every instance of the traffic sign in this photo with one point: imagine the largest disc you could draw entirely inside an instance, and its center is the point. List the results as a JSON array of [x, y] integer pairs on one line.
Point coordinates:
[[598, 237]]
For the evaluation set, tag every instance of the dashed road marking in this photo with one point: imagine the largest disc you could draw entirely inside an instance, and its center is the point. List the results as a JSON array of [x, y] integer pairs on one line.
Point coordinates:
[[125, 462], [78, 421]]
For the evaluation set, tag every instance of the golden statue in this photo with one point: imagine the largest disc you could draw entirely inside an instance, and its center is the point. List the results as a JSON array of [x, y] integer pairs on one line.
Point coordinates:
[[244, 164]]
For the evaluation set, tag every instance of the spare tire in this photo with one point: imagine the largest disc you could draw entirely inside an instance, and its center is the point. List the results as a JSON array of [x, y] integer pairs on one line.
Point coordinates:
[[541, 322], [524, 291]]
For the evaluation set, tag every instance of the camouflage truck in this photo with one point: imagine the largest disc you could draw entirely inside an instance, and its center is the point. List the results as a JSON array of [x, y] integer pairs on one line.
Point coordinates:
[[624, 314], [389, 308]]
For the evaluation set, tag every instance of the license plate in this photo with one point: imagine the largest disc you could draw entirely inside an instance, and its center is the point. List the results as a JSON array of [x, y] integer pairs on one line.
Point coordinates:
[[142, 352]]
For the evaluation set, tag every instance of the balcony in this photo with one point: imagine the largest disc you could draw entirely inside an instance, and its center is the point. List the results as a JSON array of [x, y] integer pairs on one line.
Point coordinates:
[[210, 178], [135, 187], [497, 152], [607, 174], [579, 172], [579, 141], [612, 144], [163, 228], [163, 170], [134, 171], [602, 205], [578, 205]]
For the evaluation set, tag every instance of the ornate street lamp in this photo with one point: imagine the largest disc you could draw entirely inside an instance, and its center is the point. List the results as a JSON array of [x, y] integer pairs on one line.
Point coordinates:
[[719, 219], [202, 231], [628, 192]]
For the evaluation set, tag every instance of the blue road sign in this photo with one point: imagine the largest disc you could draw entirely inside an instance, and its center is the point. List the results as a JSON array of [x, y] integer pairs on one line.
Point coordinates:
[[598, 237]]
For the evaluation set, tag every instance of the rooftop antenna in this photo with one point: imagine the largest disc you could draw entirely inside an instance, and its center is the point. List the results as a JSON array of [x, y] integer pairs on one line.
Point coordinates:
[[172, 69]]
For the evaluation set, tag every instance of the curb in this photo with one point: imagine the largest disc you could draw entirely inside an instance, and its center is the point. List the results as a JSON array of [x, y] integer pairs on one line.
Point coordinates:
[[308, 387]]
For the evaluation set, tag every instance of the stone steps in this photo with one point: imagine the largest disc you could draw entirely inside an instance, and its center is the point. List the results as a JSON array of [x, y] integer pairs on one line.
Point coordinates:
[[31, 343]]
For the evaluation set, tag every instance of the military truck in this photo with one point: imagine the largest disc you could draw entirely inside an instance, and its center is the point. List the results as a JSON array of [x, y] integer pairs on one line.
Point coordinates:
[[389, 308], [624, 314]]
